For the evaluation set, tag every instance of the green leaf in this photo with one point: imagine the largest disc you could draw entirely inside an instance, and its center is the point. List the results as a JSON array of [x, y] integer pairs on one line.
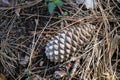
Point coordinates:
[[58, 3], [28, 74], [46, 1], [65, 14], [51, 7]]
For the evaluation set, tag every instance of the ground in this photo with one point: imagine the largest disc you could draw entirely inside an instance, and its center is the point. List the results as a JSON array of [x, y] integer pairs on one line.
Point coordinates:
[[26, 28]]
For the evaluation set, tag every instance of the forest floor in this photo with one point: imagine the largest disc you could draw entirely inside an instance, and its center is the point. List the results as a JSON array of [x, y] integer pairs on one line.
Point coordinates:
[[26, 28]]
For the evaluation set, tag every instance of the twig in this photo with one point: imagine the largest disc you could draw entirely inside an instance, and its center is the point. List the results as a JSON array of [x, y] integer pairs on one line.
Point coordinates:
[[73, 72], [32, 3]]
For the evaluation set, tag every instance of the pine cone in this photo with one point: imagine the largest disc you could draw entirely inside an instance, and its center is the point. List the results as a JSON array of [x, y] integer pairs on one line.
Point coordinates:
[[68, 41]]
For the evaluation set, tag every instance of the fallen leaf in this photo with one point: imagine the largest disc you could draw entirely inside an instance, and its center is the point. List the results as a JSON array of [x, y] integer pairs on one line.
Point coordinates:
[[2, 77]]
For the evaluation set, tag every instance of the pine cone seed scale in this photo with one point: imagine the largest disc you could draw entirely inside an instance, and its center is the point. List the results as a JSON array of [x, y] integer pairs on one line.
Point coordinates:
[[68, 41]]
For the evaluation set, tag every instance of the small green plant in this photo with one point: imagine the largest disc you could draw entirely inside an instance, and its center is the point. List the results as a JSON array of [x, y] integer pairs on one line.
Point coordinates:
[[52, 4]]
